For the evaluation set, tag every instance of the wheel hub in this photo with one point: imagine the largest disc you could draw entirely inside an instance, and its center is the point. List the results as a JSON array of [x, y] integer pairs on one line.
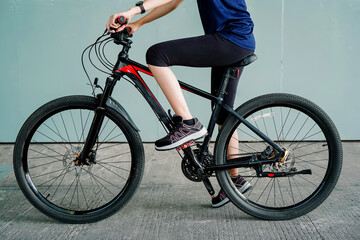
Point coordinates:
[[72, 163], [286, 164]]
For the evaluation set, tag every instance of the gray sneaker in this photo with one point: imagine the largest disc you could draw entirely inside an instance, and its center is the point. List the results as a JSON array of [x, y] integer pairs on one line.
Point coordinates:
[[181, 134], [221, 199]]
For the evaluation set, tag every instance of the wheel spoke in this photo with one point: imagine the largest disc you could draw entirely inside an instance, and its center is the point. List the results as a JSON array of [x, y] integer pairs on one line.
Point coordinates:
[[292, 125], [127, 170], [67, 134], [72, 119], [116, 155], [291, 128], [113, 171]]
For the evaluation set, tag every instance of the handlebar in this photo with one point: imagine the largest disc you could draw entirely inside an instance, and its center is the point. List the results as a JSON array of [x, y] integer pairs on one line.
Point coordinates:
[[120, 37], [121, 20]]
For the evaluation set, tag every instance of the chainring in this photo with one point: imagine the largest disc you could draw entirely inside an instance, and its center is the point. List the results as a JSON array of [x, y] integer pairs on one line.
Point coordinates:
[[190, 170]]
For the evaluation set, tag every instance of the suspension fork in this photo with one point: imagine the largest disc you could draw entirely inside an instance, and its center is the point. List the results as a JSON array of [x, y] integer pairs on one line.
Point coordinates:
[[97, 122]]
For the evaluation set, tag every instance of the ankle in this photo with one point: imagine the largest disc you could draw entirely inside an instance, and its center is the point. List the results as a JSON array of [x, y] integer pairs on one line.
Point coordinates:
[[189, 121]]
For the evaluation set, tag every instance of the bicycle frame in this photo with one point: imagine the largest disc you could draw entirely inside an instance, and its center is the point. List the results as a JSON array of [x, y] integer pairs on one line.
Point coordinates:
[[132, 68], [127, 67]]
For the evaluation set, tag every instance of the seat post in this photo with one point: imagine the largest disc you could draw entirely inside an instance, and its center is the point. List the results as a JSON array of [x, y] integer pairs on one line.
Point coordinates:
[[216, 111], [227, 76], [230, 73]]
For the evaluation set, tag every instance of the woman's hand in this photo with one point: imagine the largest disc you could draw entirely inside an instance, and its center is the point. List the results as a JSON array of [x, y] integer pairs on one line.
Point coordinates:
[[128, 15], [111, 25], [159, 8], [134, 27]]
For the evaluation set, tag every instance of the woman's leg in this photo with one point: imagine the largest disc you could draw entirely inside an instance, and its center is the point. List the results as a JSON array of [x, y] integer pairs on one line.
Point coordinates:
[[171, 88], [217, 74], [233, 148], [204, 51]]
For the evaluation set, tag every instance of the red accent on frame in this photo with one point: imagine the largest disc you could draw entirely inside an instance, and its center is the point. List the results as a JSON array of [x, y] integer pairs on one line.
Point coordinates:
[[187, 89], [127, 68], [142, 70], [271, 175], [237, 73], [131, 69]]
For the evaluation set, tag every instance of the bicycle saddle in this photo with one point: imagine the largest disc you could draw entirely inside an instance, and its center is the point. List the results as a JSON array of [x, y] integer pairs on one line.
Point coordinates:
[[245, 61]]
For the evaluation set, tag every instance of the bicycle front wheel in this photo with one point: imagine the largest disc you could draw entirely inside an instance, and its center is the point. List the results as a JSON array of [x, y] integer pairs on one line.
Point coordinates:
[[47, 172], [312, 144]]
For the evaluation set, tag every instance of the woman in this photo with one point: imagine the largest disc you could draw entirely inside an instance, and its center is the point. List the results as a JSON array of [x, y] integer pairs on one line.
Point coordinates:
[[228, 39]]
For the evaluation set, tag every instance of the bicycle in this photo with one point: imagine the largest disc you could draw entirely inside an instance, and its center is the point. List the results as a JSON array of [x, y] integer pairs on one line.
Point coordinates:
[[80, 159]]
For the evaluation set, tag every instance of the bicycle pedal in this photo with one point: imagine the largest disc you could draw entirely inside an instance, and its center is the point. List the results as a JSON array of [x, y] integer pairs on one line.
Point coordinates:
[[186, 145]]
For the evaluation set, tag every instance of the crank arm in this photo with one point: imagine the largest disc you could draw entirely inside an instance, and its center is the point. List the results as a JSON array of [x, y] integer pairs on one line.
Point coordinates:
[[209, 187]]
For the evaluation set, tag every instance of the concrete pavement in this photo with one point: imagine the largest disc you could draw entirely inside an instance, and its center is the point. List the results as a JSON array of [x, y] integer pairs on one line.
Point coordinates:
[[168, 206]]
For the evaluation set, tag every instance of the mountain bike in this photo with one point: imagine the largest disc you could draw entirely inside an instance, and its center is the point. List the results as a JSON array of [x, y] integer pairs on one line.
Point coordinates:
[[80, 159]]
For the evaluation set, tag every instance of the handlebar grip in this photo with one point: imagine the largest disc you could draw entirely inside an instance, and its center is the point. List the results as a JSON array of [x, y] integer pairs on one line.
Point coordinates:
[[128, 29], [121, 20]]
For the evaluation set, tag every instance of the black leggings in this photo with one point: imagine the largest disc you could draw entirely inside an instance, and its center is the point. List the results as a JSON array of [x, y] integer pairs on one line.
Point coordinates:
[[211, 50]]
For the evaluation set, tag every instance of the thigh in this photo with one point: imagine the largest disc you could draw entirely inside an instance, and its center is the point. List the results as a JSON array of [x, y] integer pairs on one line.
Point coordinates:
[[209, 50]]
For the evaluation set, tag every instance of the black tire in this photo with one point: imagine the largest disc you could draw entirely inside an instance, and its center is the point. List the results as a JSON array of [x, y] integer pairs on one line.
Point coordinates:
[[297, 125], [44, 165]]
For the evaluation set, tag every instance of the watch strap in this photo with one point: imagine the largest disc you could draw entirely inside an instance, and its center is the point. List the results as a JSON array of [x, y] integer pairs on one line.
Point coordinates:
[[140, 4]]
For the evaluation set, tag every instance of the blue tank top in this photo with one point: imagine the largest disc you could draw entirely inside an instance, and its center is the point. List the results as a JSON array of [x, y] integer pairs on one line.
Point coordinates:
[[228, 18]]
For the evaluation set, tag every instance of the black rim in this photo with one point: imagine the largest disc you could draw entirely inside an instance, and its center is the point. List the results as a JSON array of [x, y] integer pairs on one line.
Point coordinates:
[[90, 190], [273, 193]]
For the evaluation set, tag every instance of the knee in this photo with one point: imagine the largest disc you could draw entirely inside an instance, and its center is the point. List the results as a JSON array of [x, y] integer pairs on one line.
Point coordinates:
[[156, 56]]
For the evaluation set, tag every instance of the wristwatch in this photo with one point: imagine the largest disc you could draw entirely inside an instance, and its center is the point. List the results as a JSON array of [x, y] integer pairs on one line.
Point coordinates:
[[140, 4]]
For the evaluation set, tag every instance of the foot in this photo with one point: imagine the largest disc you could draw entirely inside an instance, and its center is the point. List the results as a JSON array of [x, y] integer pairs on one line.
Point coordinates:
[[181, 134], [221, 199]]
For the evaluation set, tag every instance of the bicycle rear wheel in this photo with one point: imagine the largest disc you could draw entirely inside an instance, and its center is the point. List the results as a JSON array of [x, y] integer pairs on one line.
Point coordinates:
[[45, 167], [312, 142]]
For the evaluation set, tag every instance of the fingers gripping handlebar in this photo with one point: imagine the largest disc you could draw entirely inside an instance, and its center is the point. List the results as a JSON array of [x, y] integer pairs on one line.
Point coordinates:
[[121, 20], [124, 34]]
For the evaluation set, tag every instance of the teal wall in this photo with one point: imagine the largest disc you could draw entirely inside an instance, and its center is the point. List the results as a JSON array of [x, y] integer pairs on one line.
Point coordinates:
[[310, 48]]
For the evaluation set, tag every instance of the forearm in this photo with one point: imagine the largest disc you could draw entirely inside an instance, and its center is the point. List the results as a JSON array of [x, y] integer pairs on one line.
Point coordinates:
[[160, 8], [159, 12]]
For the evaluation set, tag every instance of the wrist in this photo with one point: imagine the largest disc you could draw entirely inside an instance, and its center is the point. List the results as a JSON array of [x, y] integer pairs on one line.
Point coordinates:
[[138, 23], [134, 11]]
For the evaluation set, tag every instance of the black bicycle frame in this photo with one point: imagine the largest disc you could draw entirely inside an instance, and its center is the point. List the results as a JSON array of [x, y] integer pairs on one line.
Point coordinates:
[[131, 69], [127, 67]]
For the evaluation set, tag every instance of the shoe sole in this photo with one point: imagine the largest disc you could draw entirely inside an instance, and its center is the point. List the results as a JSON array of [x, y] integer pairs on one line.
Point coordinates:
[[247, 186], [222, 203], [186, 139]]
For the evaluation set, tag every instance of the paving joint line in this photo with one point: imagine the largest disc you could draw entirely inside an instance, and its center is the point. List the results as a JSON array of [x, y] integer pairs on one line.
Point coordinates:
[[315, 227]]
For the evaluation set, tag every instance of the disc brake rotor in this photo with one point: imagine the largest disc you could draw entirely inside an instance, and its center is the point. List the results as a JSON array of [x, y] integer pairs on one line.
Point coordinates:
[[70, 162], [286, 164]]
